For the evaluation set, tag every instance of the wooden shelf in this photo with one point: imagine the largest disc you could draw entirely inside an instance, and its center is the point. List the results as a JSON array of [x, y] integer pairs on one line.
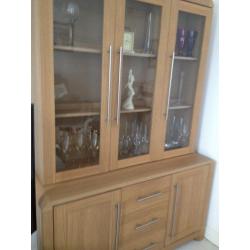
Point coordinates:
[[180, 107], [139, 54], [184, 58], [136, 110], [77, 49]]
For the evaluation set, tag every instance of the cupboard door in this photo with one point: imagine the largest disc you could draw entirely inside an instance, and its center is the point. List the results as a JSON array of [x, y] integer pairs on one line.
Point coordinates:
[[83, 46], [188, 202], [87, 224], [141, 34], [187, 52]]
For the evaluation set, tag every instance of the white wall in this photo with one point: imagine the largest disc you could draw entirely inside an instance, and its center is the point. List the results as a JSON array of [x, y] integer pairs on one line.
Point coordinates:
[[208, 142]]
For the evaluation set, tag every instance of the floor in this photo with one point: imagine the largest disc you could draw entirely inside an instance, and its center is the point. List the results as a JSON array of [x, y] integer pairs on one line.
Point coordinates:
[[199, 245], [194, 245]]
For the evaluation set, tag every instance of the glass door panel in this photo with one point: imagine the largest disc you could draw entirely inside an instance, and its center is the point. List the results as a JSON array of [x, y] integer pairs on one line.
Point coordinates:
[[184, 72], [137, 83], [78, 29]]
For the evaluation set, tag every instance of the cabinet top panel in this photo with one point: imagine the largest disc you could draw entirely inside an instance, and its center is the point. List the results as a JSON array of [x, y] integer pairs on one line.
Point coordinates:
[[82, 188], [208, 3]]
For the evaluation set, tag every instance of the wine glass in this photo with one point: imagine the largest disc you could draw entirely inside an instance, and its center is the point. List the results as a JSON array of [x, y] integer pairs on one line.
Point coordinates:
[[185, 133], [124, 142], [136, 139], [65, 142], [71, 12], [144, 139], [94, 144]]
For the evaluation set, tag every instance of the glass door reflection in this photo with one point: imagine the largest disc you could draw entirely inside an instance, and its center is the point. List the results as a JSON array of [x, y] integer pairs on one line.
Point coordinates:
[[137, 77], [184, 72], [78, 34]]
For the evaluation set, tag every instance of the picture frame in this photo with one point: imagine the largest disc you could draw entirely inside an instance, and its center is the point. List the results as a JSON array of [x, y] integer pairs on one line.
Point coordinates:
[[128, 41]]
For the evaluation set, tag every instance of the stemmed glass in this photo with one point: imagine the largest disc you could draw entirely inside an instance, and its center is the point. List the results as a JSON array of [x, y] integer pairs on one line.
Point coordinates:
[[72, 12], [136, 138], [125, 142], [144, 139], [94, 144]]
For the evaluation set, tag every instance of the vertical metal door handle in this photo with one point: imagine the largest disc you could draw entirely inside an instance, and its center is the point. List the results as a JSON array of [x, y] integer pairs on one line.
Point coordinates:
[[170, 83], [109, 84], [176, 200], [119, 86], [117, 226]]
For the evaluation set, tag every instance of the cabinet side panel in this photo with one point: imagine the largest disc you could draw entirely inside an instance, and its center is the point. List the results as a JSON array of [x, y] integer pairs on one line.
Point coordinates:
[[42, 90]]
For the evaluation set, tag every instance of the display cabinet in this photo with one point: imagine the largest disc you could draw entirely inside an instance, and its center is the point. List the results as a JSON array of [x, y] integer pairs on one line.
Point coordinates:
[[117, 83], [141, 36], [118, 90], [185, 71]]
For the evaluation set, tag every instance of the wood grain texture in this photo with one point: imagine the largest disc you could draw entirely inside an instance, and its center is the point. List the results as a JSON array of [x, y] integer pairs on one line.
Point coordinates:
[[208, 3], [188, 217], [142, 195], [146, 177], [156, 212], [43, 90], [82, 188], [160, 82], [86, 224]]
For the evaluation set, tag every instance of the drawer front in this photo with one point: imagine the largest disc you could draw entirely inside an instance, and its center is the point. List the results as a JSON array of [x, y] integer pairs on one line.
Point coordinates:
[[152, 241], [145, 194], [137, 226]]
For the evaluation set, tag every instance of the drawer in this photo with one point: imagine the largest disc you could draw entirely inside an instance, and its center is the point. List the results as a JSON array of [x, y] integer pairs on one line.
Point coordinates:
[[151, 241], [145, 194], [141, 224]]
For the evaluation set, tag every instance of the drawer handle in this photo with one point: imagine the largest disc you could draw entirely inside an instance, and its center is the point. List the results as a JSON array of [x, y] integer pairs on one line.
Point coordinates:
[[141, 227], [150, 246], [144, 198]]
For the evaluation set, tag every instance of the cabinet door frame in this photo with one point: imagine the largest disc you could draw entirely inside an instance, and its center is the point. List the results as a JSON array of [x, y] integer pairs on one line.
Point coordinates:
[[163, 39], [44, 95], [191, 8], [60, 211], [175, 209]]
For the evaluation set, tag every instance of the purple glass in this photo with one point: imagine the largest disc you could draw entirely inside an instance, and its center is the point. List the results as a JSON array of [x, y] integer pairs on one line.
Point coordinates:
[[191, 38], [181, 35]]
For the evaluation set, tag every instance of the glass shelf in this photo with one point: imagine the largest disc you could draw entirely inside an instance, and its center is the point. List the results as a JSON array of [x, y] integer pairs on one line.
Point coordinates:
[[180, 107], [185, 58], [77, 49], [139, 54], [136, 110], [77, 110]]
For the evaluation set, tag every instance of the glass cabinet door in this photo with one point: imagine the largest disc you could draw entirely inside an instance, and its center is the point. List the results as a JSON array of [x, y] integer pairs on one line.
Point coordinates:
[[184, 73], [78, 44], [138, 57]]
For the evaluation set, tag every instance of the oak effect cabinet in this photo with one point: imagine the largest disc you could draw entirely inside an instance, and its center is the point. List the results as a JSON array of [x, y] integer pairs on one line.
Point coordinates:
[[117, 88]]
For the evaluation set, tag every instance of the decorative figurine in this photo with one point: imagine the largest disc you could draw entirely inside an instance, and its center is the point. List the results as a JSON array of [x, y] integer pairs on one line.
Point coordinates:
[[191, 38], [181, 35], [128, 103]]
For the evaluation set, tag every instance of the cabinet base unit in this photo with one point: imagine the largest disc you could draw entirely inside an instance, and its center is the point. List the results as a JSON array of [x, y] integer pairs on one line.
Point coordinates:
[[157, 205]]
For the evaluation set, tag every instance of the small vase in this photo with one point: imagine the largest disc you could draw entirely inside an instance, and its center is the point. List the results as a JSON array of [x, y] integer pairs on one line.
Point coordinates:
[[181, 35], [191, 38]]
